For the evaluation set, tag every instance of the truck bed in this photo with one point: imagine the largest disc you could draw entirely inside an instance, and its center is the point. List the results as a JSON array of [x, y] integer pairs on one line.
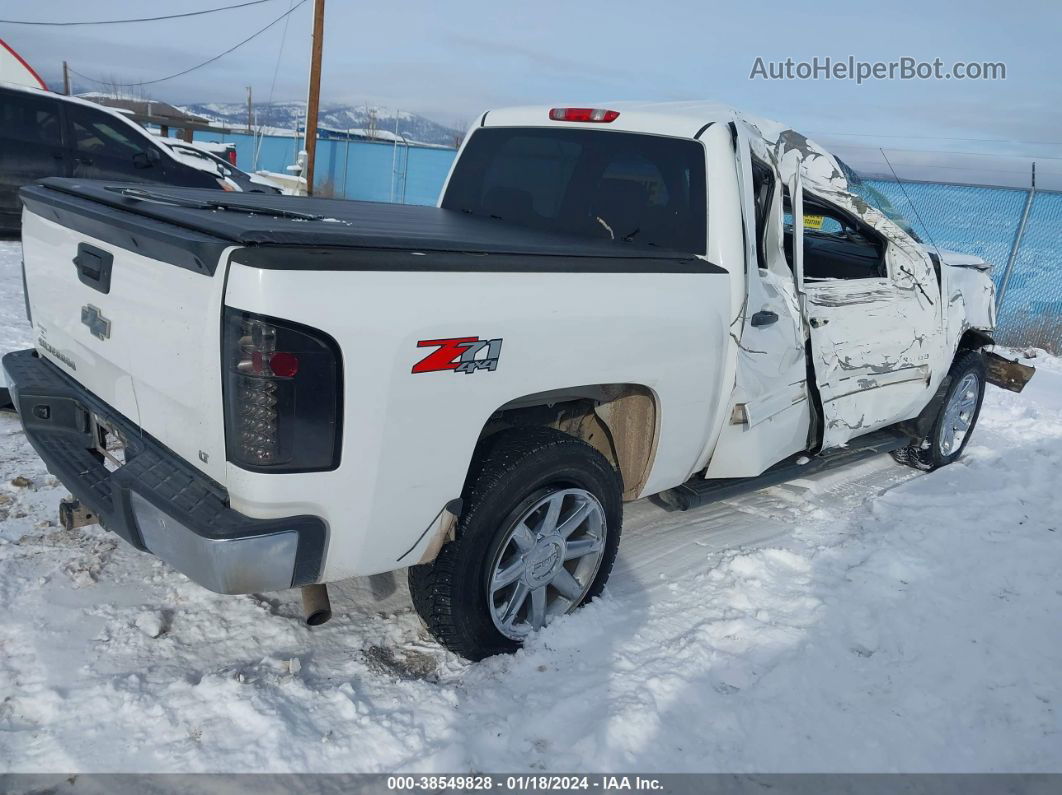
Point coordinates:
[[262, 220]]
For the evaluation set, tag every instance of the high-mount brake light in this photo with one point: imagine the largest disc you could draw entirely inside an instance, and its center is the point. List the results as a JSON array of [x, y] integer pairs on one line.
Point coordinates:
[[600, 115], [283, 394]]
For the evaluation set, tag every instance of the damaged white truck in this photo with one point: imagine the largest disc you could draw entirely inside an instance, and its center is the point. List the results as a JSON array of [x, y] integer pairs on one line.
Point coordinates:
[[608, 304]]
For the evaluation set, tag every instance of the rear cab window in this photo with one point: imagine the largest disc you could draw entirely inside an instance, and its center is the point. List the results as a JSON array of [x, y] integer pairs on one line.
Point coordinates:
[[629, 188]]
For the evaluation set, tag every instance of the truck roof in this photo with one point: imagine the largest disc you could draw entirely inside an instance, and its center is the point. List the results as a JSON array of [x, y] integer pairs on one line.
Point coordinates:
[[678, 119]]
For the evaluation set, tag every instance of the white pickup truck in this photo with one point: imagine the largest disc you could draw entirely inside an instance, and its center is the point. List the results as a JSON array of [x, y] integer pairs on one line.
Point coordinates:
[[272, 392]]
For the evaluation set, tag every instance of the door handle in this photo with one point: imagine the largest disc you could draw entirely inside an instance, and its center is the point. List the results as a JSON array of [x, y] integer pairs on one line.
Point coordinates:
[[818, 322], [85, 161], [764, 318], [94, 267]]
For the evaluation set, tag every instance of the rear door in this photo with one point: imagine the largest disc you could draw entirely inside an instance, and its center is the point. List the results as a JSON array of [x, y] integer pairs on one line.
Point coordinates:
[[31, 147], [872, 306], [137, 330]]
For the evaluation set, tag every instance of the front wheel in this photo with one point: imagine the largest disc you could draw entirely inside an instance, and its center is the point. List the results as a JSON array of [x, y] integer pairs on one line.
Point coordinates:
[[957, 417], [537, 538]]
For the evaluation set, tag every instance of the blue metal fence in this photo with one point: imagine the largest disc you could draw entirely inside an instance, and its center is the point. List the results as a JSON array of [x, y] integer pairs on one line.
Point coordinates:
[[364, 170], [973, 220], [985, 221]]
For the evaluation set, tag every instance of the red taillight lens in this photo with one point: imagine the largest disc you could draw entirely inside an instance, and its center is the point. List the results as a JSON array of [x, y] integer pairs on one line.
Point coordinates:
[[232, 156], [284, 365], [584, 114]]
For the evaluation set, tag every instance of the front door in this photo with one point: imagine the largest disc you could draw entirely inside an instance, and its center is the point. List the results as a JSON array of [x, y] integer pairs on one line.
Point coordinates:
[[104, 147], [872, 304]]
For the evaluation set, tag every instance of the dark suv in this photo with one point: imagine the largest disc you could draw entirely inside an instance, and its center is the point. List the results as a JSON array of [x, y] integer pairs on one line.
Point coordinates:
[[51, 135]]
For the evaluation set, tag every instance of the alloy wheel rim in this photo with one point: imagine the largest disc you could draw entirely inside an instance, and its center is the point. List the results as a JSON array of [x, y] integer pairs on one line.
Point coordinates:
[[547, 561], [959, 414]]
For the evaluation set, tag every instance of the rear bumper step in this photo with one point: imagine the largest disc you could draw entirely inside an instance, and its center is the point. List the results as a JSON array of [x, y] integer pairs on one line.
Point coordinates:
[[698, 491], [156, 501]]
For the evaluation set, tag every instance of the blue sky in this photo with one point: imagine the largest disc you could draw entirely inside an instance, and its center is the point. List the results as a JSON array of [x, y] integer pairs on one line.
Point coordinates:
[[452, 60]]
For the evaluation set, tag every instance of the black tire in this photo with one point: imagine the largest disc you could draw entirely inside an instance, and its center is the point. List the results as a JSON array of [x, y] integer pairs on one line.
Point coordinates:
[[927, 454], [511, 470]]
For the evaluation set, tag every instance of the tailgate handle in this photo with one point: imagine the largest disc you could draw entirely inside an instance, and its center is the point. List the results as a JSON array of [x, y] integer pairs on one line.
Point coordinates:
[[94, 267]]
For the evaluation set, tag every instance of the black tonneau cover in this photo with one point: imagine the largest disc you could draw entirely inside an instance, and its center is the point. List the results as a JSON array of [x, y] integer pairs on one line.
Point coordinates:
[[347, 224], [192, 227]]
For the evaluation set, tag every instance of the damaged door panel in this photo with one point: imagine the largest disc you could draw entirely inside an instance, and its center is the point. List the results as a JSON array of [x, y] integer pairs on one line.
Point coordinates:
[[873, 311]]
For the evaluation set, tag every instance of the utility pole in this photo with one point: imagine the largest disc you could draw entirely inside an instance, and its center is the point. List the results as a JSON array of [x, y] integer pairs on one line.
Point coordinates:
[[250, 111], [314, 99], [66, 79]]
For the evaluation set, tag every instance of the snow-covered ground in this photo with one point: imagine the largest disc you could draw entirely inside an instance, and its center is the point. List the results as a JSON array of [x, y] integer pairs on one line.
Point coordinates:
[[870, 619]]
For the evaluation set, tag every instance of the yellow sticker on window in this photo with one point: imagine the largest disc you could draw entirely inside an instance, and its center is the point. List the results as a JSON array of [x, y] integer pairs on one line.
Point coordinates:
[[813, 221]]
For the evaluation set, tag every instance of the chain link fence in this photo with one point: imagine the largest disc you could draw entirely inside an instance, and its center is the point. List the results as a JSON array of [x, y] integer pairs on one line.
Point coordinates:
[[1018, 231]]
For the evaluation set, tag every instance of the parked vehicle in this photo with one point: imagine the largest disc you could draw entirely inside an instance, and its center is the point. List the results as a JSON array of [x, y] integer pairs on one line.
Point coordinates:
[[51, 135], [270, 392], [208, 157]]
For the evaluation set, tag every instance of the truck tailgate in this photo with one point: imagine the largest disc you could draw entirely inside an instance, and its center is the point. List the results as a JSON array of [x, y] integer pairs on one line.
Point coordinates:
[[141, 334]]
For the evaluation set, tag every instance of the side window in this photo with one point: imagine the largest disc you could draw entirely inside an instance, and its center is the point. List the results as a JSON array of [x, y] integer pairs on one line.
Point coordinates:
[[29, 119], [835, 245], [95, 133]]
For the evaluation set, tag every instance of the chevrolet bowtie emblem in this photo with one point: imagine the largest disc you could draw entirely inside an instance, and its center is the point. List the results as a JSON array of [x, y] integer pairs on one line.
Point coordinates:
[[96, 322]]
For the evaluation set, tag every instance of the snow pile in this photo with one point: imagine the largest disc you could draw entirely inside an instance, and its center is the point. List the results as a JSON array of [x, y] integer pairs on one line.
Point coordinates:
[[870, 619]]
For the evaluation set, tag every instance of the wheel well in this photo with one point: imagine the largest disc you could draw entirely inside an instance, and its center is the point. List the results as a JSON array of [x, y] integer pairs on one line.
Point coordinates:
[[973, 340], [618, 420]]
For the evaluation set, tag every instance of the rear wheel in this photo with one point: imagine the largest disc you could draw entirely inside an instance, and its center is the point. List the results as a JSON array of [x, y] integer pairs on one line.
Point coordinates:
[[537, 538], [958, 415]]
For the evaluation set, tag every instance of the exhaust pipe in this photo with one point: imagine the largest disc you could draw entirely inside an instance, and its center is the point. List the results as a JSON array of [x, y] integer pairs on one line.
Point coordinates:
[[316, 609]]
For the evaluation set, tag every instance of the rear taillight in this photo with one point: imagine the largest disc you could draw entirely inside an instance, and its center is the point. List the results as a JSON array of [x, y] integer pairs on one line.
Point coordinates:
[[584, 114], [283, 394], [232, 156]]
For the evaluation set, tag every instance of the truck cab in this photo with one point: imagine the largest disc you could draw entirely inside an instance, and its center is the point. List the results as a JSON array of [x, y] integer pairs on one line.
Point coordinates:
[[836, 323], [673, 301]]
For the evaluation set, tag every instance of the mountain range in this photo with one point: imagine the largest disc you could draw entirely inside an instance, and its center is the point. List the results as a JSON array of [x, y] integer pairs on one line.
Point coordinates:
[[290, 115]]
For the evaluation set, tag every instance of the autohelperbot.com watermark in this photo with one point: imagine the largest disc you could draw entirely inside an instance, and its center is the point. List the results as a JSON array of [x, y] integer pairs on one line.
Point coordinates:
[[851, 68]]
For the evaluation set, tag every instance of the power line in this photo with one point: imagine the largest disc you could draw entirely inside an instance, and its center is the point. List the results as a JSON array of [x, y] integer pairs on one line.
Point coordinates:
[[940, 138], [951, 152], [198, 65], [974, 168], [139, 19], [260, 133]]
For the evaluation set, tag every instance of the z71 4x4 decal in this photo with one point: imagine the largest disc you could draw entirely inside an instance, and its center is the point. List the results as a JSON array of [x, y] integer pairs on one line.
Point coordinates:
[[460, 354]]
